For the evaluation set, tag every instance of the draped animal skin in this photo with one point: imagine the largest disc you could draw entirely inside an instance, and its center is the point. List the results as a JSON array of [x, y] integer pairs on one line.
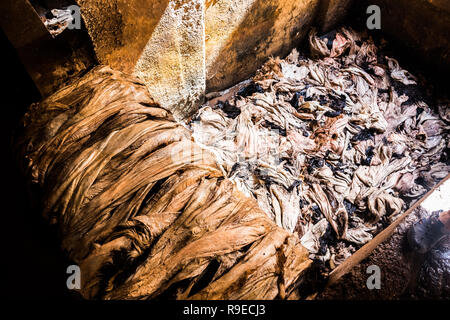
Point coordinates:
[[141, 208]]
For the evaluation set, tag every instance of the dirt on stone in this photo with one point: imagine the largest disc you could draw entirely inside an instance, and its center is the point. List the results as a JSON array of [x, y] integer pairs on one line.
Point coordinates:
[[404, 274]]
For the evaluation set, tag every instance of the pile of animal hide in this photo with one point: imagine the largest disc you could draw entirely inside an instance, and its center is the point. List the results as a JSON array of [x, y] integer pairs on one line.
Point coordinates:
[[332, 146], [141, 208]]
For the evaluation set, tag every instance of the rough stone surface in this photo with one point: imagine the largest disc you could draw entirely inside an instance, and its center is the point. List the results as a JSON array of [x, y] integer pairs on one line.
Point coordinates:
[[242, 34], [161, 42]]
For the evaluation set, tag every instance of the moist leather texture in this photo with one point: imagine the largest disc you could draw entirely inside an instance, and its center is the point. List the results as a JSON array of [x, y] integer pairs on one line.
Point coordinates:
[[142, 209]]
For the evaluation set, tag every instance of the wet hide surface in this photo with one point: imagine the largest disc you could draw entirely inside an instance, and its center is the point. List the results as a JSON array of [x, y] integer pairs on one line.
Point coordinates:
[[145, 211], [334, 147]]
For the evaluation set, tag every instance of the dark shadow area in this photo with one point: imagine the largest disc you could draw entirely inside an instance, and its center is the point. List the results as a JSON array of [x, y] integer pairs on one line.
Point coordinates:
[[121, 29], [34, 265], [425, 59], [50, 61]]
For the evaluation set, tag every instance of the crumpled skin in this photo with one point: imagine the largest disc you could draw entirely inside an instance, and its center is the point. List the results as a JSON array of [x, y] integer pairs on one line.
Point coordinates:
[[329, 146], [144, 210]]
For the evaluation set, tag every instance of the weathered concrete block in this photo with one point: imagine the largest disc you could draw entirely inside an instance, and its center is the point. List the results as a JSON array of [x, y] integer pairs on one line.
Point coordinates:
[[120, 29], [242, 34], [161, 42], [172, 64]]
